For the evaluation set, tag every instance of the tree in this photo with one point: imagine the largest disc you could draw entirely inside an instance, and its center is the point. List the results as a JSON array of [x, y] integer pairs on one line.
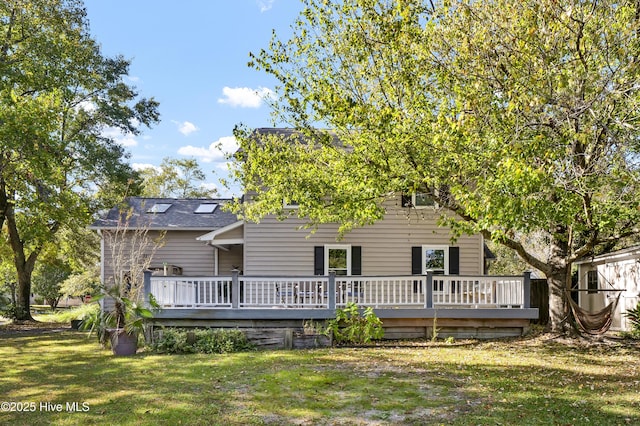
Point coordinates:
[[175, 179], [82, 284], [7, 282], [48, 278], [517, 117], [58, 94]]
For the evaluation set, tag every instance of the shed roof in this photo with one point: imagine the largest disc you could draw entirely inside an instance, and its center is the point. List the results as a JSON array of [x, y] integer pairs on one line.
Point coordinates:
[[170, 214], [625, 253]]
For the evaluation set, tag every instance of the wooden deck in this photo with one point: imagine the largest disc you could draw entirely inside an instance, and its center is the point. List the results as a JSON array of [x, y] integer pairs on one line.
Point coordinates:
[[409, 306]]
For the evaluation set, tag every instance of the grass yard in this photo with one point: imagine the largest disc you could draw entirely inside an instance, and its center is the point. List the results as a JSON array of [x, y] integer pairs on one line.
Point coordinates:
[[63, 378]]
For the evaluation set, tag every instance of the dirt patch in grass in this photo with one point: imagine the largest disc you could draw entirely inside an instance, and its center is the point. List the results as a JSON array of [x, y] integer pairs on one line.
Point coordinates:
[[31, 327]]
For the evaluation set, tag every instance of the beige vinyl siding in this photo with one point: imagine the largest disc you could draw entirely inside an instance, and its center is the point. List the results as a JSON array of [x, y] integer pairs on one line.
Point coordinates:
[[180, 248], [231, 234], [275, 247]]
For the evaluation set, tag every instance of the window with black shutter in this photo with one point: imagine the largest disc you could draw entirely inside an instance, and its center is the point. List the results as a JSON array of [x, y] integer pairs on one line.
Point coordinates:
[[441, 260], [339, 258]]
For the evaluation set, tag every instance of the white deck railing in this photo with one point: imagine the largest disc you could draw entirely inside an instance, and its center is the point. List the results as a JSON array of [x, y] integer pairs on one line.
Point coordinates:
[[379, 292], [477, 292], [192, 292], [292, 292], [321, 292]]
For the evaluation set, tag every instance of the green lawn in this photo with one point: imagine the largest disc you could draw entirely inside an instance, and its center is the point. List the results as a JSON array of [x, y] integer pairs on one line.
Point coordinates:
[[528, 381]]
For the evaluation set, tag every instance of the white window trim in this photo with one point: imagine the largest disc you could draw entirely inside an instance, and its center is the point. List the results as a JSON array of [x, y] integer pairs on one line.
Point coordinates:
[[435, 247], [416, 206], [328, 247], [592, 272]]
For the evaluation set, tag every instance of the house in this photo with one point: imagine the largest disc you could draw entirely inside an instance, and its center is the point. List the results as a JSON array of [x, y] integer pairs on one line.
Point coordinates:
[[602, 278], [179, 222], [214, 269]]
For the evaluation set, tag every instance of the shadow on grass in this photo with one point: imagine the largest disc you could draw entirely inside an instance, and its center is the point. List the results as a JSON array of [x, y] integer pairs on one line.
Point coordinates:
[[473, 384]]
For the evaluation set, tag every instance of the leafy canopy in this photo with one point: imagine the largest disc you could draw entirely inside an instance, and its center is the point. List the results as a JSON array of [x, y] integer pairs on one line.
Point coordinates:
[[175, 178], [518, 117], [61, 101]]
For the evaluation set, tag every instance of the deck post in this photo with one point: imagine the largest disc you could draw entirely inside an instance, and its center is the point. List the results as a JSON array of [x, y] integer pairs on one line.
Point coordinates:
[[428, 295], [331, 295], [146, 287], [235, 289], [527, 290]]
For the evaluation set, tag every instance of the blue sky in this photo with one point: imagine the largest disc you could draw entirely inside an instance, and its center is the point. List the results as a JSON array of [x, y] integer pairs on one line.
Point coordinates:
[[192, 56]]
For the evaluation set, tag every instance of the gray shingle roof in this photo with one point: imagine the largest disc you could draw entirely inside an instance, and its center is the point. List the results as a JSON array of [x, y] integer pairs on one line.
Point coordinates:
[[180, 215]]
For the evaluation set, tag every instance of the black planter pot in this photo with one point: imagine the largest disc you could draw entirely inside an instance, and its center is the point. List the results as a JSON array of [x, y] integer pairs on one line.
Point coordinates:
[[123, 343], [76, 324]]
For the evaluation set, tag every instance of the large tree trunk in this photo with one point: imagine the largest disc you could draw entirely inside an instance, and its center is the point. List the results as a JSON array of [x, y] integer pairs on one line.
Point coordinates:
[[24, 268], [558, 304], [23, 301], [558, 278]]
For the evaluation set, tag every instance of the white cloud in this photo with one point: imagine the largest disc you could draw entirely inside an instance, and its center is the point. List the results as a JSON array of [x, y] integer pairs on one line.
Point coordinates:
[[142, 166], [213, 153], [265, 5], [209, 186], [87, 106], [124, 139], [245, 97], [226, 166], [186, 127]]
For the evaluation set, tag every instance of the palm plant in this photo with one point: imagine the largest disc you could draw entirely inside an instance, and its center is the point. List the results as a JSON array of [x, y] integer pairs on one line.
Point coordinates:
[[634, 317]]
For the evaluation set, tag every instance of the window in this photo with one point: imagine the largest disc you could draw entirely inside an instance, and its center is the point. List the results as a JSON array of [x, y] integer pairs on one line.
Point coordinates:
[[206, 208], [435, 259], [343, 259], [592, 281], [159, 208], [338, 259], [291, 204], [422, 200]]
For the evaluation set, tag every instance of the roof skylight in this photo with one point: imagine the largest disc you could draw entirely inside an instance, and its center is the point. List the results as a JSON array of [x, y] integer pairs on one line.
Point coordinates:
[[159, 208], [206, 208]]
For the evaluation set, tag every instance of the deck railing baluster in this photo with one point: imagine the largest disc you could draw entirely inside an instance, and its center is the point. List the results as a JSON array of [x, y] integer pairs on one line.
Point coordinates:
[[238, 292]]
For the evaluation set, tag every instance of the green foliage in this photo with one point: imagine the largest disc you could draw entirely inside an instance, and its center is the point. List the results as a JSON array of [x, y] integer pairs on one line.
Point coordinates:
[[434, 328], [58, 95], [7, 307], [634, 317], [206, 341], [65, 316], [129, 315], [352, 327], [7, 286], [81, 284], [47, 280], [176, 178], [514, 116]]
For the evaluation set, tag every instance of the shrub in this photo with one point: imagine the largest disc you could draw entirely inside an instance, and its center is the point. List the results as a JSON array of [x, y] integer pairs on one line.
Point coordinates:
[[350, 326], [7, 307], [79, 312], [206, 341], [634, 317]]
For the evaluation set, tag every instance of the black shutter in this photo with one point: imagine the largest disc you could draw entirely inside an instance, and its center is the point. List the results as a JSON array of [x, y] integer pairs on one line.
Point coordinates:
[[416, 260], [454, 260], [318, 260], [406, 200], [356, 260]]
